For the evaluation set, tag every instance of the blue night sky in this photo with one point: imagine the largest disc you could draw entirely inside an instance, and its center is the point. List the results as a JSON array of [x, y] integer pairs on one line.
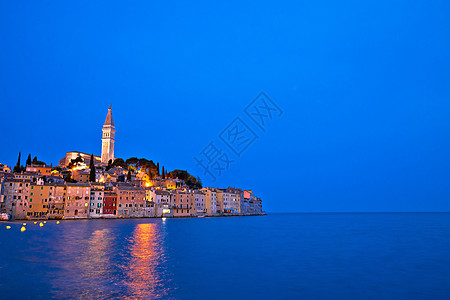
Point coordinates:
[[364, 87]]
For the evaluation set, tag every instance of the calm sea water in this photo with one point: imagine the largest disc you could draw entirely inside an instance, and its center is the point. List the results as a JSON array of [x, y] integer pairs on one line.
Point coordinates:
[[279, 256]]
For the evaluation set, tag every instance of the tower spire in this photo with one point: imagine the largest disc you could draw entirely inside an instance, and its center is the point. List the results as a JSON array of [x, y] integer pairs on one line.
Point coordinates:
[[109, 118], [108, 138]]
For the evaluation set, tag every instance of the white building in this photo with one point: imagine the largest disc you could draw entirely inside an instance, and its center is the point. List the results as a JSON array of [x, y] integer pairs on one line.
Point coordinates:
[[96, 200], [108, 138], [200, 202], [162, 200]]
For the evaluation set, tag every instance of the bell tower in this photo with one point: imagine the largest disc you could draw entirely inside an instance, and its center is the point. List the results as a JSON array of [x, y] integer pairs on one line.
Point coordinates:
[[109, 131]]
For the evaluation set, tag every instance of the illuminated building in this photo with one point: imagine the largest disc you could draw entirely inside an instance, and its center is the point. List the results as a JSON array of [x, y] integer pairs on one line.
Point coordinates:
[[57, 199], [210, 200], [227, 200], [183, 203], [130, 200], [77, 200], [15, 197], [43, 170], [81, 175], [5, 168], [200, 202], [235, 204], [109, 203], [96, 200], [39, 200], [108, 138], [86, 157], [163, 201]]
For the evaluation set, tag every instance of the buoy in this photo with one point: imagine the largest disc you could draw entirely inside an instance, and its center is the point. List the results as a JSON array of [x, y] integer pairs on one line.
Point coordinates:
[[57, 222], [8, 227], [45, 221], [40, 224], [23, 229], [24, 224], [35, 222]]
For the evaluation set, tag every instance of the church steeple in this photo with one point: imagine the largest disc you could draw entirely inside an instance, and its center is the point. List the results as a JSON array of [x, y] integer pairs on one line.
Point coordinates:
[[108, 138], [109, 119]]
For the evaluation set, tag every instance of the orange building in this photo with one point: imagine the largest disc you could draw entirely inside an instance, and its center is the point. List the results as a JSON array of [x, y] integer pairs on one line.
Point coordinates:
[[183, 204], [81, 175], [39, 201], [130, 200], [41, 169]]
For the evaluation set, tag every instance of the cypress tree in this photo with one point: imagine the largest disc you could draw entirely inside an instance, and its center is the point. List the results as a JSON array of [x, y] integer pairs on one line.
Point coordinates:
[[129, 176], [17, 168], [163, 173], [28, 163], [157, 166], [92, 167], [109, 166]]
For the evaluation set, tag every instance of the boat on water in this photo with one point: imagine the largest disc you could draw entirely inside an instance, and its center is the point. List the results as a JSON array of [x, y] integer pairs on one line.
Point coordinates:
[[4, 217]]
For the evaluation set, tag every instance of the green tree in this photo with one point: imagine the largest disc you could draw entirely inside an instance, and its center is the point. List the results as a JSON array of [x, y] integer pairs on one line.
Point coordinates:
[[37, 162], [163, 173], [119, 162], [92, 169], [190, 180], [109, 166], [129, 176], [28, 163], [132, 161], [199, 183], [75, 162], [68, 177], [18, 168], [57, 168]]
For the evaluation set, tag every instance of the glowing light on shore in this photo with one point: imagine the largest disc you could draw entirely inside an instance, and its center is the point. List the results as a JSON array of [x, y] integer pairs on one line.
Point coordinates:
[[78, 168]]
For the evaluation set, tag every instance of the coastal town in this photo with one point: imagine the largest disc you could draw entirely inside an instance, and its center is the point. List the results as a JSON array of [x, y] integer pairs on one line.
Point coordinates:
[[84, 186]]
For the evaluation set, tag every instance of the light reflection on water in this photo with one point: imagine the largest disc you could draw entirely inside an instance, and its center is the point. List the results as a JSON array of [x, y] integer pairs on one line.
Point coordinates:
[[286, 256], [106, 263], [146, 255]]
